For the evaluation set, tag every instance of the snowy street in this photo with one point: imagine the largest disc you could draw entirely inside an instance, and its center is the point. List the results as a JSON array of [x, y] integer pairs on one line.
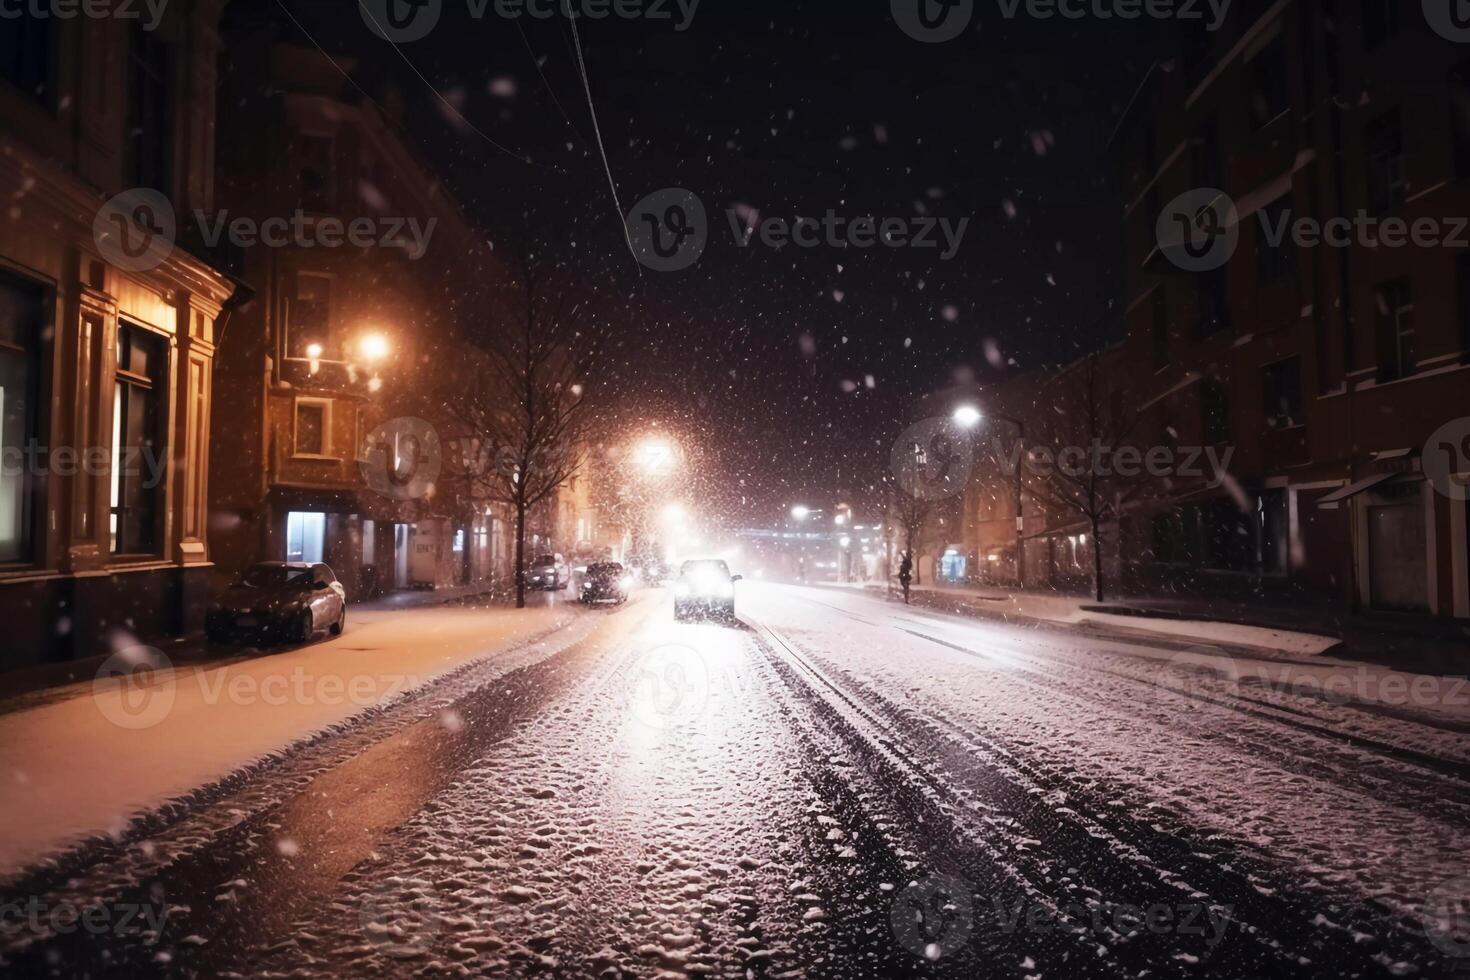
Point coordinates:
[[835, 786]]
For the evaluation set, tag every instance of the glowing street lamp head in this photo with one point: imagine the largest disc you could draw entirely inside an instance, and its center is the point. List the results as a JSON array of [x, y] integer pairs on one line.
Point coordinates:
[[314, 351], [801, 512], [373, 347], [655, 457], [967, 416]]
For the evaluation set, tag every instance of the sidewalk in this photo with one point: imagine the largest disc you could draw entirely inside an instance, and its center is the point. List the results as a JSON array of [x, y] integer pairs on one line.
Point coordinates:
[[88, 759], [1416, 646]]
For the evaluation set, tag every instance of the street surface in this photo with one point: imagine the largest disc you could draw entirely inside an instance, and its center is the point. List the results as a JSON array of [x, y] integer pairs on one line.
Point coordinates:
[[835, 786]]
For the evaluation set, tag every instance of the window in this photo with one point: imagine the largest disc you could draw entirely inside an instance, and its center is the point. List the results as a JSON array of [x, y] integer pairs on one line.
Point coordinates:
[[1397, 353], [1160, 328], [148, 141], [137, 451], [1214, 412], [1214, 306], [1270, 86], [306, 534], [458, 545], [1283, 394], [1387, 185], [1460, 117], [311, 315], [369, 542], [313, 419], [1273, 523], [1275, 262], [26, 53], [1380, 21], [22, 307], [317, 175], [1206, 155]]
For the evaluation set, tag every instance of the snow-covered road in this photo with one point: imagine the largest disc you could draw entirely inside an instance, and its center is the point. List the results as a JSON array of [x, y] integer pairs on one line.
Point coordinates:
[[837, 786]]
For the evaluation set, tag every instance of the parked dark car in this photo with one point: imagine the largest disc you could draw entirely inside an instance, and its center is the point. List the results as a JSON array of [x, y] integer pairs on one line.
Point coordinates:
[[279, 600], [549, 572], [705, 587], [606, 581]]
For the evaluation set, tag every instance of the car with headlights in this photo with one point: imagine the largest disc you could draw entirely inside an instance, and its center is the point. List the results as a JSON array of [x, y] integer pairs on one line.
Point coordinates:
[[705, 587], [279, 600], [549, 572], [606, 581]]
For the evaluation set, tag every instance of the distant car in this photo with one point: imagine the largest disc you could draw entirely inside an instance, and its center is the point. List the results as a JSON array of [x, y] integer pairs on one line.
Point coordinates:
[[606, 581], [280, 600], [705, 587], [549, 572]]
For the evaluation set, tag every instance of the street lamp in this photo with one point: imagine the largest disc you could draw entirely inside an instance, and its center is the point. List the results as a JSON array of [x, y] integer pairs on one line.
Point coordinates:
[[373, 347], [801, 512], [655, 457], [968, 417]]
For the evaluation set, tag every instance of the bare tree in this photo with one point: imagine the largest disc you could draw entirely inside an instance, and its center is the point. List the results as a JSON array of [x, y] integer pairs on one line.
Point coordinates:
[[524, 419], [1073, 449], [911, 514]]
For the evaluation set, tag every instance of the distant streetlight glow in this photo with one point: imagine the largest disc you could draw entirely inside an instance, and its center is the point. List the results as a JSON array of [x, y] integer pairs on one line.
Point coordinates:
[[655, 457], [314, 351], [800, 512], [373, 347], [967, 416]]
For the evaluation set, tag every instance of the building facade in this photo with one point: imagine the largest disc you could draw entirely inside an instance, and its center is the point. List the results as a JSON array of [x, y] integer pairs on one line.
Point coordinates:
[[1327, 364], [331, 432], [108, 329]]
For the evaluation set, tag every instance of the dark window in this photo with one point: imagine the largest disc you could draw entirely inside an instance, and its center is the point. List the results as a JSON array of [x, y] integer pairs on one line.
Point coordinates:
[[311, 316], [1387, 184], [1270, 88], [1206, 154], [149, 138], [1273, 523], [311, 429], [26, 52], [1160, 328], [1380, 21], [1229, 537], [1214, 412], [1168, 539], [1275, 262], [22, 307], [318, 173], [1283, 393], [1460, 117], [1397, 350], [137, 450], [1214, 306]]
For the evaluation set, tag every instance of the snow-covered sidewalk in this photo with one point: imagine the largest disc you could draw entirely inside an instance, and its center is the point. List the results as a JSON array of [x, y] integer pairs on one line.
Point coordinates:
[[104, 751], [1080, 611]]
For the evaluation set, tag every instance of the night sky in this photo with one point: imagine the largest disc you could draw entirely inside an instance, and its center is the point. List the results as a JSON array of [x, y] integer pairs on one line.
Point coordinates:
[[795, 107]]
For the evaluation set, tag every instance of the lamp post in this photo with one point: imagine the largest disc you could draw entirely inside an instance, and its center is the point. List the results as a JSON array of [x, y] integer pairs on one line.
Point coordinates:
[[968, 417]]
